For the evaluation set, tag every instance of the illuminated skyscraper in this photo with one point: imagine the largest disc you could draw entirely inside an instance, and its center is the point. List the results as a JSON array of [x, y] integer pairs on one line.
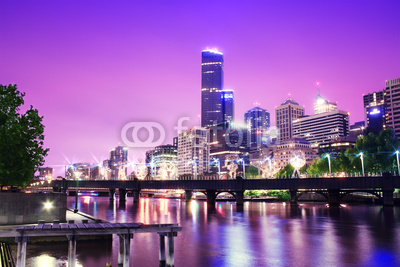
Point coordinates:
[[375, 112], [286, 113], [212, 73], [392, 101], [227, 105], [194, 152], [322, 105], [118, 163], [258, 122]]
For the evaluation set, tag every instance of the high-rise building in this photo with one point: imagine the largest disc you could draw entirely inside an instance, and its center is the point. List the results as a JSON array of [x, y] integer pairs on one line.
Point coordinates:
[[46, 172], [258, 122], [392, 101], [227, 105], [212, 73], [162, 162], [322, 105], [118, 163], [322, 127], [193, 152], [375, 111], [78, 171], [286, 113]]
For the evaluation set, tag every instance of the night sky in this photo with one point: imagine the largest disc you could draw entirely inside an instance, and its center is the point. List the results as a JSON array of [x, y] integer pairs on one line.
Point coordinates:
[[90, 67]]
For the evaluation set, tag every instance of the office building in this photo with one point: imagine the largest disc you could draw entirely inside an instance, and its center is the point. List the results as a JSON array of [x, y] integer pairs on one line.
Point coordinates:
[[322, 105], [212, 72], [45, 173], [162, 162], [193, 152], [392, 101], [118, 163], [289, 148], [258, 122], [227, 105], [357, 129], [286, 113], [78, 171], [375, 112], [322, 128]]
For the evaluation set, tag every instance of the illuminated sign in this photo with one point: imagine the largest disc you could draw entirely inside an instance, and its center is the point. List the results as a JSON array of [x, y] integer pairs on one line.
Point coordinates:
[[375, 111], [227, 96]]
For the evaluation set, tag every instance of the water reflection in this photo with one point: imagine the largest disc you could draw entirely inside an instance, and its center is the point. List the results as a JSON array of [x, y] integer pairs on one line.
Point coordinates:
[[263, 234]]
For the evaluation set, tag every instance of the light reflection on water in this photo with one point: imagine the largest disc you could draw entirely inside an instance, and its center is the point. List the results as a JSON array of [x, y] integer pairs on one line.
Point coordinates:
[[263, 234]]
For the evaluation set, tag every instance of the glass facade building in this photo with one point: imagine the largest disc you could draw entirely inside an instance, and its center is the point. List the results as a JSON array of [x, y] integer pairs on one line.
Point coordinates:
[[227, 105], [258, 122], [212, 73]]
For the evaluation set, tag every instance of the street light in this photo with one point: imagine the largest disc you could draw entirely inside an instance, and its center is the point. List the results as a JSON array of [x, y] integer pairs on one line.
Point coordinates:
[[398, 167], [362, 162], [329, 163], [244, 168], [77, 174], [219, 167]]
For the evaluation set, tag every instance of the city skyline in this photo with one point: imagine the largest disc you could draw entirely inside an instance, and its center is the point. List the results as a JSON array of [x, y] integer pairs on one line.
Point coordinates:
[[89, 75]]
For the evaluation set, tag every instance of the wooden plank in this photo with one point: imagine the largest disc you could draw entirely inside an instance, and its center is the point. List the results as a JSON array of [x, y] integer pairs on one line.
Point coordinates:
[[81, 225], [56, 226], [64, 226], [39, 226], [72, 226], [89, 225], [47, 226], [106, 225]]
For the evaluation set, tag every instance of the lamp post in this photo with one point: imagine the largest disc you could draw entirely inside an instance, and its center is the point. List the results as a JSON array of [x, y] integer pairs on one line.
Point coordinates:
[[362, 162], [329, 163], [195, 167], [398, 167], [219, 167], [244, 168], [76, 191]]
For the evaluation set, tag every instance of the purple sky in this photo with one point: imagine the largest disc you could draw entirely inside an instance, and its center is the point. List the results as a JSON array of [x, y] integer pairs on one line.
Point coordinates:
[[92, 66]]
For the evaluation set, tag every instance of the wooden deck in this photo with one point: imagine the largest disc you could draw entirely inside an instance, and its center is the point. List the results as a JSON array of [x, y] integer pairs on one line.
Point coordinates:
[[72, 231]]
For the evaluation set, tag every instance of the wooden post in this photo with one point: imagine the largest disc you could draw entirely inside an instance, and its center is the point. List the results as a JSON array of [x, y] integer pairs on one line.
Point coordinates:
[[170, 249], [121, 251], [161, 251], [127, 249], [72, 250], [21, 252]]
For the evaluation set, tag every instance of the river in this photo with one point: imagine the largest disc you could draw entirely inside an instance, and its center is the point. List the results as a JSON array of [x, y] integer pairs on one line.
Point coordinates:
[[263, 234]]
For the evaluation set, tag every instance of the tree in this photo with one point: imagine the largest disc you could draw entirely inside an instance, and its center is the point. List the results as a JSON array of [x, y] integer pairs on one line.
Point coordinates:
[[378, 152], [21, 139], [287, 171]]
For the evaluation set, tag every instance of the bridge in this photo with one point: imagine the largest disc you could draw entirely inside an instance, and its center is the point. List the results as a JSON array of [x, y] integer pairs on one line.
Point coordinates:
[[333, 189]]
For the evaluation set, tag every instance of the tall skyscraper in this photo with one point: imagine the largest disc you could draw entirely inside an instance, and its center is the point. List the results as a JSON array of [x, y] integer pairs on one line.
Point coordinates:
[[286, 113], [227, 105], [118, 163], [258, 122], [392, 101], [194, 152], [375, 111], [212, 74]]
